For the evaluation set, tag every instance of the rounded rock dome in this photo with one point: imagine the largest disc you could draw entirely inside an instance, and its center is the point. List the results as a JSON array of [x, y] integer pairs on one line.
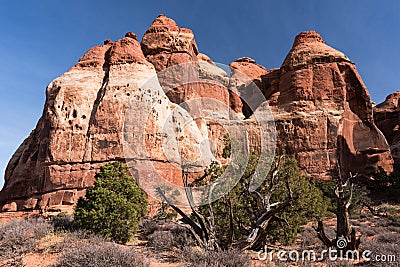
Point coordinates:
[[309, 48]]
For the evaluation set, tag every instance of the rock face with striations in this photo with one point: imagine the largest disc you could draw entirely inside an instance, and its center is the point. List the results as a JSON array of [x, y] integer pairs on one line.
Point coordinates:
[[323, 109], [387, 118], [165, 45], [320, 104], [82, 128]]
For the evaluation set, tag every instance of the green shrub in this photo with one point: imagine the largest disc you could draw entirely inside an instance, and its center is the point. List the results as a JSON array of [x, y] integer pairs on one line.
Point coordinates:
[[114, 206], [309, 204], [359, 198], [383, 186]]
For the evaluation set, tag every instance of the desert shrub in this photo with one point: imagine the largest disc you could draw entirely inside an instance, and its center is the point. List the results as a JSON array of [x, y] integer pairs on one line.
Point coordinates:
[[114, 206], [105, 255], [310, 203], [182, 237], [20, 237], [368, 231], [355, 222], [246, 206], [77, 238], [383, 181], [393, 229], [388, 210], [63, 222], [148, 227], [227, 258], [394, 223], [381, 223], [359, 197], [309, 237], [388, 238], [169, 236], [161, 241], [165, 213], [383, 186]]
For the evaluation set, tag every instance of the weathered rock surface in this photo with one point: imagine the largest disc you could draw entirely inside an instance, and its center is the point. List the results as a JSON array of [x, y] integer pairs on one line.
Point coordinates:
[[189, 78], [166, 45], [323, 109], [82, 128], [245, 85], [320, 104], [387, 118]]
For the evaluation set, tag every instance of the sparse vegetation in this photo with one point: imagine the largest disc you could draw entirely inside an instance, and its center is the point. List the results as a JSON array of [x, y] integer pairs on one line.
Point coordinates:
[[64, 222], [73, 244], [105, 255], [385, 184], [169, 242], [114, 206], [229, 258], [18, 238]]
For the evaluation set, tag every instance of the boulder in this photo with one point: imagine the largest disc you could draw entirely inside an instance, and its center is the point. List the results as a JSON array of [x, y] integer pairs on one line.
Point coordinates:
[[10, 207]]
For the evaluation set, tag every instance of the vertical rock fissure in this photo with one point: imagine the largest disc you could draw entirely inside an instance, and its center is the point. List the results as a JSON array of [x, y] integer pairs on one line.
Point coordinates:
[[97, 102]]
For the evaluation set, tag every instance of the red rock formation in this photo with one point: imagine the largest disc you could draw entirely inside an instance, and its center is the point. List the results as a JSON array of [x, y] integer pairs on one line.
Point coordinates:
[[320, 104], [245, 84], [387, 118], [322, 107], [82, 128], [165, 44], [191, 78]]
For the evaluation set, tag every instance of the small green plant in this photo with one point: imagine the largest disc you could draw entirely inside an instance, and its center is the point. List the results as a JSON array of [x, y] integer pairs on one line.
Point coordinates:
[[114, 206], [226, 153], [166, 213]]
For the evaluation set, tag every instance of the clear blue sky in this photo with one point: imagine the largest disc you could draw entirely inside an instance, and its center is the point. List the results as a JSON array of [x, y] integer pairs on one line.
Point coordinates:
[[40, 40]]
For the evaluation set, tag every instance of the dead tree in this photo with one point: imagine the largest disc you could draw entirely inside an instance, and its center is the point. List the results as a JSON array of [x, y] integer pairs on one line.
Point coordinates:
[[204, 229], [270, 210], [345, 235]]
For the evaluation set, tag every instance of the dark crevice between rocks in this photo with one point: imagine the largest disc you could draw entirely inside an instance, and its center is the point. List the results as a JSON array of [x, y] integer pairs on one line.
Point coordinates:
[[99, 98]]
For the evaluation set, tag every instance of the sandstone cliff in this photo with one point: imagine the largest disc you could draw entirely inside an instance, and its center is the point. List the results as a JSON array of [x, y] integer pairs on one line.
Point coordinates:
[[387, 118], [320, 105]]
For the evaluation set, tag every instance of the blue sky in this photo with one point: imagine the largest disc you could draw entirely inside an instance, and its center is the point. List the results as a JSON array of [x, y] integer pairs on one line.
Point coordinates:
[[40, 40]]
